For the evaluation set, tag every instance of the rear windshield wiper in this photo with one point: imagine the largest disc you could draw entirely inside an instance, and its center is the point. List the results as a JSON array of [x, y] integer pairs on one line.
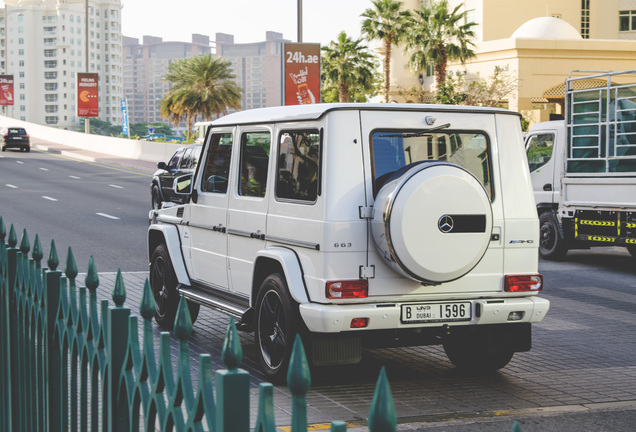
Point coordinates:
[[416, 134]]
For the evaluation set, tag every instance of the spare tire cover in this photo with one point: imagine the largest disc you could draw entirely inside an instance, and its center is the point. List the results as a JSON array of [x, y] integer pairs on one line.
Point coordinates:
[[433, 223]]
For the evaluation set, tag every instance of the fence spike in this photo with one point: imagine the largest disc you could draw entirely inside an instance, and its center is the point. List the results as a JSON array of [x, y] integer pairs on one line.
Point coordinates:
[[25, 244], [53, 260], [183, 321], [92, 279], [13, 238], [232, 353], [119, 292], [516, 427], [71, 265], [3, 230], [147, 306], [298, 374], [37, 253], [382, 416]]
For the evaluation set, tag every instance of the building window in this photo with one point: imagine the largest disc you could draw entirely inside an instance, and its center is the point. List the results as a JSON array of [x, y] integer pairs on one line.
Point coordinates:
[[50, 86], [50, 98], [50, 109], [627, 20], [585, 19], [50, 64], [51, 119]]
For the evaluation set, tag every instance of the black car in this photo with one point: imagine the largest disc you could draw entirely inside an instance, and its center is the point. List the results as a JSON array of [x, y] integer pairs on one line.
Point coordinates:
[[15, 137], [184, 161]]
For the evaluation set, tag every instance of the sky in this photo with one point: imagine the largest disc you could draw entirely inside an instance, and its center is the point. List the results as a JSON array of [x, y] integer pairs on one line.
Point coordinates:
[[247, 20]]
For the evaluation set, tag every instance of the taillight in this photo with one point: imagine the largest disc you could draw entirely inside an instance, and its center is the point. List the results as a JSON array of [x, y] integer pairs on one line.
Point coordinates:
[[359, 323], [347, 289], [521, 283]]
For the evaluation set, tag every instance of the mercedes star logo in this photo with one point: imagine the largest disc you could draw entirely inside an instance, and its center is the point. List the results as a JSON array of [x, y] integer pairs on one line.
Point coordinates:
[[446, 224]]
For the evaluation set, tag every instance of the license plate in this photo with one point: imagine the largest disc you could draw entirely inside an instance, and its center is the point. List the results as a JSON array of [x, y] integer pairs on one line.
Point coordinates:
[[436, 312]]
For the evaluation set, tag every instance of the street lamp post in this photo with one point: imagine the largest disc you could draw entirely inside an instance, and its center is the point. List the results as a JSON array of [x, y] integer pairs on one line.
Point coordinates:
[[300, 21]]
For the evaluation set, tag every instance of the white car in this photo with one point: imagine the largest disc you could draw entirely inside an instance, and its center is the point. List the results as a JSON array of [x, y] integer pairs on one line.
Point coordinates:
[[358, 225]]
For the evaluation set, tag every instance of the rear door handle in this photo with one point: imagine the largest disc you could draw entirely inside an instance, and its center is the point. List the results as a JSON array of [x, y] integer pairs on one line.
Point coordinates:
[[547, 187]]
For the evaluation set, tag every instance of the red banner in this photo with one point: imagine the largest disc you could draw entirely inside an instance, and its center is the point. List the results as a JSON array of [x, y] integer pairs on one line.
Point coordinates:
[[6, 89], [301, 71], [87, 95]]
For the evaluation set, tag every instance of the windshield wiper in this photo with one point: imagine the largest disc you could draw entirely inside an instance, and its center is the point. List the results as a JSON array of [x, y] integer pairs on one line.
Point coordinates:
[[416, 134]]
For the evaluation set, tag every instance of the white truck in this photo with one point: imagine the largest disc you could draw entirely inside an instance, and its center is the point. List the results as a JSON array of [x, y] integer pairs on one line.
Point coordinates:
[[583, 168]]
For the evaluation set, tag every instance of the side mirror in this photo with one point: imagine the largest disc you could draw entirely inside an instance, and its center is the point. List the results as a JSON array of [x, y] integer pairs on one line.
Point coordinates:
[[161, 165], [183, 185]]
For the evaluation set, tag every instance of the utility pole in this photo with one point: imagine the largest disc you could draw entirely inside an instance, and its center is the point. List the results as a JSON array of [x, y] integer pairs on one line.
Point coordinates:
[[300, 21]]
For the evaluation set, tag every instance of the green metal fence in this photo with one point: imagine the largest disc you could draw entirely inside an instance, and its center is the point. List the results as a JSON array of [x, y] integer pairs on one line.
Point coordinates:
[[69, 362]]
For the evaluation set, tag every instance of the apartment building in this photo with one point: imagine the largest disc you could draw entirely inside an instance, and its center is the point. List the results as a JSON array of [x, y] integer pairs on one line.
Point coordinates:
[[44, 44], [257, 66], [146, 64]]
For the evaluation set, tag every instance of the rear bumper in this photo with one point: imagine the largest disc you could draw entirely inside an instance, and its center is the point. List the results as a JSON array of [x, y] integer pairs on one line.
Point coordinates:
[[337, 318]]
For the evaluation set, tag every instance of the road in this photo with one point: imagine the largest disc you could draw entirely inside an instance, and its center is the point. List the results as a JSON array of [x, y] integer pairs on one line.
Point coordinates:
[[579, 375], [94, 209]]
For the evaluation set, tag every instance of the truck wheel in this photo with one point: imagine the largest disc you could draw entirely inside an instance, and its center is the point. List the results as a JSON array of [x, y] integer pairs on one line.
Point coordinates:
[[551, 245], [632, 250], [163, 283], [156, 198], [277, 321], [477, 353]]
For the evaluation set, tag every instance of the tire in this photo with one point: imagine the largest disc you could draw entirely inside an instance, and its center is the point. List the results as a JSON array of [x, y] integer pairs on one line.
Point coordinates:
[[28, 149], [551, 245], [163, 283], [277, 321], [4, 149], [632, 250], [477, 352], [156, 198]]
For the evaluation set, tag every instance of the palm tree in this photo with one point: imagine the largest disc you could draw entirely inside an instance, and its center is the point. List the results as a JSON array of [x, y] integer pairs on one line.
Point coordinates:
[[202, 86], [385, 21], [348, 65], [438, 36]]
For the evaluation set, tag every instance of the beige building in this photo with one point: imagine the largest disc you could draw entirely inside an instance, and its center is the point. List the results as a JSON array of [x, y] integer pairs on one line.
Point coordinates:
[[537, 43]]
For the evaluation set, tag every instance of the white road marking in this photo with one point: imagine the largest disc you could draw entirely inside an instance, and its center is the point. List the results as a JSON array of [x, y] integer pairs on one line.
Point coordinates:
[[75, 177], [49, 198], [44, 169], [20, 162], [11, 186], [106, 216], [116, 186]]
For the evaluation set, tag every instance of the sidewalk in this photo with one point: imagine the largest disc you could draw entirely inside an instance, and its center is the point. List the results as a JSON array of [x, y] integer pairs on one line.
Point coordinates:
[[89, 156]]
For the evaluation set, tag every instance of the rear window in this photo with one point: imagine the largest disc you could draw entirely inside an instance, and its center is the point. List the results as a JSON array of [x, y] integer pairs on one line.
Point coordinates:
[[395, 149], [17, 131]]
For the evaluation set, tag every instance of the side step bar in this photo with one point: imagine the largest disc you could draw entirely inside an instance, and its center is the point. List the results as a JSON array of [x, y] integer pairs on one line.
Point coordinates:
[[198, 296]]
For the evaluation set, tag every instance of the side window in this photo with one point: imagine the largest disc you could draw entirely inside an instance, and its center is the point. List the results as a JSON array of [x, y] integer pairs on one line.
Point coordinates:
[[539, 150], [298, 165], [255, 148], [217, 165], [174, 161], [186, 160]]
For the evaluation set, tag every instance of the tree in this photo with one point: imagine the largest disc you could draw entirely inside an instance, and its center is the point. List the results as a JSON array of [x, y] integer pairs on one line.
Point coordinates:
[[438, 36], [492, 91], [386, 22], [349, 66], [202, 86]]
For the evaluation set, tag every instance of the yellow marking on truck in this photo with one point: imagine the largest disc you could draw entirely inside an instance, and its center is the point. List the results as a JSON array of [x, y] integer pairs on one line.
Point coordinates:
[[630, 225], [602, 239], [598, 223], [630, 241]]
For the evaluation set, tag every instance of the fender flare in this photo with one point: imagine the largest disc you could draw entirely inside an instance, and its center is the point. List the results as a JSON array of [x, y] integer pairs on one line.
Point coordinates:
[[292, 271], [169, 235]]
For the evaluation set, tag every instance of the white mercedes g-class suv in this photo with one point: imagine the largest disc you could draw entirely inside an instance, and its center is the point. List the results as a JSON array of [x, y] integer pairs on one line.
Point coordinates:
[[358, 225]]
